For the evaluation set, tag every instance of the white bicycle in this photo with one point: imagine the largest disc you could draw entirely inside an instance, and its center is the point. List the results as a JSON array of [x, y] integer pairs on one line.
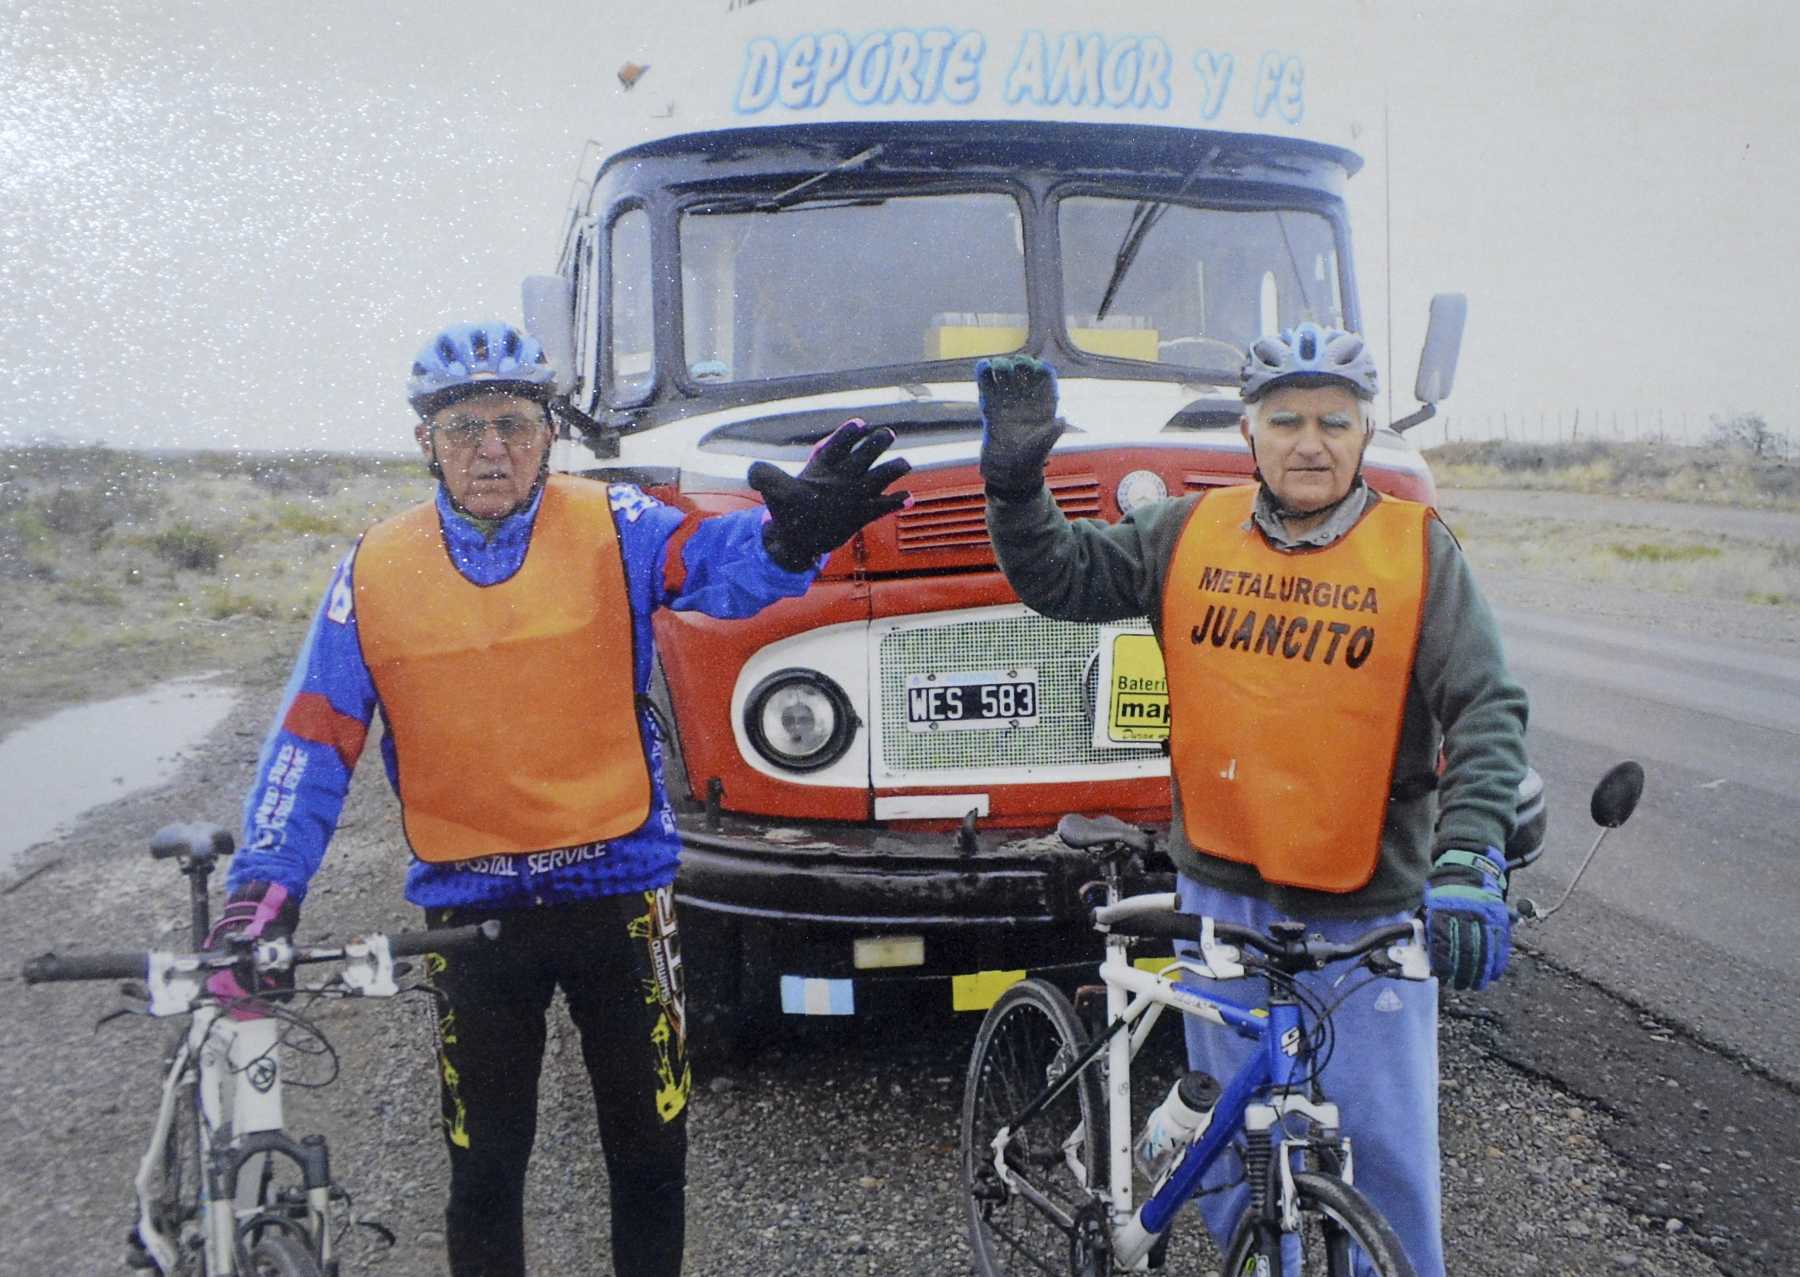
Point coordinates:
[[216, 1188]]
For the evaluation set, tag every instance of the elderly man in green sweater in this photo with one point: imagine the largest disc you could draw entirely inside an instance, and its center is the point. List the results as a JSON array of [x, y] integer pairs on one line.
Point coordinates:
[[1326, 646]]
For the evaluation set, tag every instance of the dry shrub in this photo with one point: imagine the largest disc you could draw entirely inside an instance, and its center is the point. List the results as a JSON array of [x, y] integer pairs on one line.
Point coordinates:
[[83, 514], [186, 547]]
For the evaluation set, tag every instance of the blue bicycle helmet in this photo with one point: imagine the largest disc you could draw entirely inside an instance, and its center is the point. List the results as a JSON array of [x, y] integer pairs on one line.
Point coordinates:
[[1307, 354], [472, 359]]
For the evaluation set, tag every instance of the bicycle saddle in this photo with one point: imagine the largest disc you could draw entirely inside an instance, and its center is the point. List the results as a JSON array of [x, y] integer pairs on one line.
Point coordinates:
[[196, 841], [1083, 832]]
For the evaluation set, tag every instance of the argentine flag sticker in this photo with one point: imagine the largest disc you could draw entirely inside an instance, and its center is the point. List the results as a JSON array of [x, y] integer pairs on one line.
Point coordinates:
[[809, 995]]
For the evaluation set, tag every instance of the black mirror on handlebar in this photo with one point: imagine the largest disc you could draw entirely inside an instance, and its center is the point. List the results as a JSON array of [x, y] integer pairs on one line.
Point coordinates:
[[1617, 794], [1615, 797]]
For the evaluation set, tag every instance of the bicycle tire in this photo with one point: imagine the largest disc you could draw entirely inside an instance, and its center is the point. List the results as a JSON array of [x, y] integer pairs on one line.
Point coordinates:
[[282, 1255], [1333, 1218], [175, 1199], [1030, 1030]]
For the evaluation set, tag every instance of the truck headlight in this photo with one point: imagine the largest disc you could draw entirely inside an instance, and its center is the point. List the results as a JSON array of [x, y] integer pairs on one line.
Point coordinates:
[[799, 719]]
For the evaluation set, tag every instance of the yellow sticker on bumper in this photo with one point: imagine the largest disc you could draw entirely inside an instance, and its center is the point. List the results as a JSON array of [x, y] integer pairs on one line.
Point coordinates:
[[981, 990]]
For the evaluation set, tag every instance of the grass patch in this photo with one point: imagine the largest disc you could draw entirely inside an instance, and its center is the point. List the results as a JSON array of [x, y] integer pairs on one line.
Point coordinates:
[[221, 603], [1713, 475], [221, 557], [1728, 570], [90, 593], [299, 520], [1651, 552]]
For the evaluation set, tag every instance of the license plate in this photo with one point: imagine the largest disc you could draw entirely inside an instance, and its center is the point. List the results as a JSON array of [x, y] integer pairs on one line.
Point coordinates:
[[988, 698]]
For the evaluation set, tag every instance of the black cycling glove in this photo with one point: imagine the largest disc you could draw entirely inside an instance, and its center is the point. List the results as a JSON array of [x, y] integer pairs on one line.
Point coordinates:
[[1018, 422], [838, 492]]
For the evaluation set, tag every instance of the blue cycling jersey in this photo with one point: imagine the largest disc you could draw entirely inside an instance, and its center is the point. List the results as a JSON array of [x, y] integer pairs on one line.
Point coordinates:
[[318, 733]]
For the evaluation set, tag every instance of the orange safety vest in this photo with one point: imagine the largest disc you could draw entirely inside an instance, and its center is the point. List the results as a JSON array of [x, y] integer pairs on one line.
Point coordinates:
[[1287, 681], [512, 706]]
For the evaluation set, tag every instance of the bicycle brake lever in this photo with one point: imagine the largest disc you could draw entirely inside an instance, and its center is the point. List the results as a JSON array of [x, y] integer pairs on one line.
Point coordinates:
[[114, 1014], [1225, 961], [1410, 959]]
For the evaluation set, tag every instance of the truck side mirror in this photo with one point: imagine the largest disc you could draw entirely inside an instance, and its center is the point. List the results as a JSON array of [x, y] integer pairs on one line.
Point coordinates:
[[549, 308], [1443, 343]]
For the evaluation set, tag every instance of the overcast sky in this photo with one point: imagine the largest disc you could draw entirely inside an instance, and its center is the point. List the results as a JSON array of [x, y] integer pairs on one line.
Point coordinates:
[[229, 223]]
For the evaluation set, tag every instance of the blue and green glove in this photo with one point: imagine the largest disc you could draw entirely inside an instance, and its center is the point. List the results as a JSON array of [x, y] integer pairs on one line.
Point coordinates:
[[1018, 422], [1467, 922]]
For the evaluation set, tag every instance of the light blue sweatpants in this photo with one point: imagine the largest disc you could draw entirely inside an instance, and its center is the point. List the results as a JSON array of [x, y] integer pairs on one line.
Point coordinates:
[[1383, 1075]]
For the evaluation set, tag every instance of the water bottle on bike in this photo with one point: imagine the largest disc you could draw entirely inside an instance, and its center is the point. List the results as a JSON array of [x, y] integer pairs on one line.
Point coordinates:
[[1178, 1121]]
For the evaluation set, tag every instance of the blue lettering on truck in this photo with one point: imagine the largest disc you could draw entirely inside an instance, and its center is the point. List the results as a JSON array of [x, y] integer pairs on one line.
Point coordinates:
[[903, 65], [931, 65]]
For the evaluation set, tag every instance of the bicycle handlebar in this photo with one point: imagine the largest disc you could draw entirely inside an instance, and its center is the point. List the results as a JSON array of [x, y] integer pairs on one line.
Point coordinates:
[[51, 967], [86, 966], [444, 940], [1171, 925]]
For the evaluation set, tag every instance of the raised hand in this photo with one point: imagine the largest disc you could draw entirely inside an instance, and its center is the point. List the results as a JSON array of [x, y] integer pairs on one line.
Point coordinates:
[[1018, 422], [839, 491]]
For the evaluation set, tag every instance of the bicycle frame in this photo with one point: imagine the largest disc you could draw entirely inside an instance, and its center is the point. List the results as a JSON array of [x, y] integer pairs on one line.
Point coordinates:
[[1267, 1088], [235, 1068], [1137, 998]]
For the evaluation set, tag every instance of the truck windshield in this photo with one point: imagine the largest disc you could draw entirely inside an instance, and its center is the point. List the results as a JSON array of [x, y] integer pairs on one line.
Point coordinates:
[[1204, 282], [849, 283]]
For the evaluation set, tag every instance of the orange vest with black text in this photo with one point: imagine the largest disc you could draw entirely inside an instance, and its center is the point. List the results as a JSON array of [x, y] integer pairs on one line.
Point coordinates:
[[512, 706], [1288, 675]]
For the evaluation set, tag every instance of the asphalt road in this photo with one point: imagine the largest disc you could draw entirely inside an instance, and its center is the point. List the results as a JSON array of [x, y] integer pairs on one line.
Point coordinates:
[[1690, 909], [1666, 991]]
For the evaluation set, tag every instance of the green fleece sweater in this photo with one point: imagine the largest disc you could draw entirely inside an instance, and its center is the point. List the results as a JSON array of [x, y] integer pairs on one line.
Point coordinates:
[[1461, 696]]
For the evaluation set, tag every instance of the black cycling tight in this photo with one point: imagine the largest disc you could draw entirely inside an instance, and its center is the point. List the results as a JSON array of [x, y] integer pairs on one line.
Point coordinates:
[[617, 961]]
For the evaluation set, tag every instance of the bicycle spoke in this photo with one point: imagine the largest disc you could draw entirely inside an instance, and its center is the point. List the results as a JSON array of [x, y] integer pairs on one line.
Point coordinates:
[[1024, 1221]]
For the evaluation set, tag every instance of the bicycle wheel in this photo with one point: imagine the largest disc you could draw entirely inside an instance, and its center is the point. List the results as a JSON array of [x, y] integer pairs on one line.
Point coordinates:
[[1335, 1221], [1030, 1036], [282, 1255]]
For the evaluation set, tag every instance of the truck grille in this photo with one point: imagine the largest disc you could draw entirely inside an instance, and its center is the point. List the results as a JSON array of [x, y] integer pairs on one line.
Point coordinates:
[[1059, 650], [956, 518]]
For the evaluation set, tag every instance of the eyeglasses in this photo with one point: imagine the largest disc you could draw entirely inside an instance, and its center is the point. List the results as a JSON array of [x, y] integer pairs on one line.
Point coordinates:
[[466, 433]]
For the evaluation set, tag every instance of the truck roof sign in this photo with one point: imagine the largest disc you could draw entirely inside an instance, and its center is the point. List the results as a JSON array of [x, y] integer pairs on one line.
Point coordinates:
[[769, 62]]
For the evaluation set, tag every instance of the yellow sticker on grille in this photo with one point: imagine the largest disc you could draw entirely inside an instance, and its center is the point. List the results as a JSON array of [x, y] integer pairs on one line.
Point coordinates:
[[1137, 692], [981, 990]]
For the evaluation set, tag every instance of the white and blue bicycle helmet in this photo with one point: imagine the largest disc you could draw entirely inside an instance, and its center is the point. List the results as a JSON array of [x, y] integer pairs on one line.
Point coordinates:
[[472, 359], [1308, 355]]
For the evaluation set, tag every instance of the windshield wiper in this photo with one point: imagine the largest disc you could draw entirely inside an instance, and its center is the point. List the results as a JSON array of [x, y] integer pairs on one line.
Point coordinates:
[[781, 199], [1143, 217]]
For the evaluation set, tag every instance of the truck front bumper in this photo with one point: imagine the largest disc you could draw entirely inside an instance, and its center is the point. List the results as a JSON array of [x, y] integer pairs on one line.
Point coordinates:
[[848, 919]]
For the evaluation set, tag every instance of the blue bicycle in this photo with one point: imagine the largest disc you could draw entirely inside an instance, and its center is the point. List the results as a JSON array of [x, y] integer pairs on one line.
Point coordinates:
[[1046, 1133]]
